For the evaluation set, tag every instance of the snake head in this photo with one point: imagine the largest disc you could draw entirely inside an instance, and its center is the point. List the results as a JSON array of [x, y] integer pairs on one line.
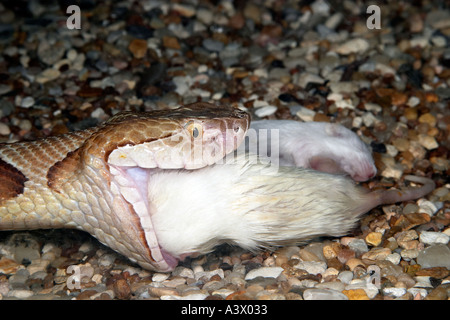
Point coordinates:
[[190, 137]]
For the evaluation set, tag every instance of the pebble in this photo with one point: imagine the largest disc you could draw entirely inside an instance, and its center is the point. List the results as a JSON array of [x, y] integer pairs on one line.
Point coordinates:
[[359, 246], [27, 102], [356, 294], [4, 129], [265, 111], [265, 272], [357, 45], [138, 48], [431, 238], [392, 291], [374, 238], [312, 267], [20, 294], [437, 255], [345, 276], [377, 254], [323, 294], [48, 75]]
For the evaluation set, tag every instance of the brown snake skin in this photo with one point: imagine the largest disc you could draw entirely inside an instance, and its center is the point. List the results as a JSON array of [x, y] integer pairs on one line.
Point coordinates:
[[68, 181]]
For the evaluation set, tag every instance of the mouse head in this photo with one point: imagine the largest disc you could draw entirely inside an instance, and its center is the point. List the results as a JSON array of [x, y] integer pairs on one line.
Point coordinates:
[[349, 153]]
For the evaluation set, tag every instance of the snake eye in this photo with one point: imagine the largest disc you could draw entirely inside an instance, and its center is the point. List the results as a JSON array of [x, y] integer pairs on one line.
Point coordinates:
[[195, 129]]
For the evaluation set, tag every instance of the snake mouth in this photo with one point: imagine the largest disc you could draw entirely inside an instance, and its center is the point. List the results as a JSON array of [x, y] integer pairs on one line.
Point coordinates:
[[130, 183]]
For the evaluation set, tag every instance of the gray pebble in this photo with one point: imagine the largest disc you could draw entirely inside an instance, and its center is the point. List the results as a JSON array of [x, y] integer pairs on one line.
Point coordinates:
[[345, 276], [312, 267], [20, 293], [323, 294], [213, 45], [265, 272], [359, 246], [435, 256]]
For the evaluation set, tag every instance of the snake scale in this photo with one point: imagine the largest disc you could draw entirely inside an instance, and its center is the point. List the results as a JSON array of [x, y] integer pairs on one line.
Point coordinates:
[[91, 179]]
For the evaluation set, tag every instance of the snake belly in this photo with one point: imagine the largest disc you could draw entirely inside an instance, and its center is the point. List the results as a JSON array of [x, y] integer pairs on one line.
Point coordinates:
[[95, 180]]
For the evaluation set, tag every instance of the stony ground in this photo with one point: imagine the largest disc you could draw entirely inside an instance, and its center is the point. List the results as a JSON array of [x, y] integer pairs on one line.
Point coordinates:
[[303, 60]]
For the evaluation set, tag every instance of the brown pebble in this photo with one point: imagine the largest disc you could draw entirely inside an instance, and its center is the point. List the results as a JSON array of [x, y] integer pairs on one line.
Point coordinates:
[[237, 21], [88, 92], [345, 254], [410, 114], [138, 48], [377, 254], [121, 289], [412, 269], [320, 117], [171, 43], [435, 272], [162, 291], [353, 263], [86, 295], [356, 294], [440, 293], [8, 266]]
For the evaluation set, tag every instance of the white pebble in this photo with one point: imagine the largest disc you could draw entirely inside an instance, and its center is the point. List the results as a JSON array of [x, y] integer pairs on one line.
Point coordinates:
[[429, 237], [342, 87], [345, 276], [20, 294], [312, 267], [423, 282], [306, 114], [159, 277], [323, 294], [345, 103], [357, 45], [369, 119], [195, 296], [4, 129], [427, 207], [209, 274], [414, 291], [27, 102], [413, 101], [392, 291], [265, 111], [394, 258], [265, 272]]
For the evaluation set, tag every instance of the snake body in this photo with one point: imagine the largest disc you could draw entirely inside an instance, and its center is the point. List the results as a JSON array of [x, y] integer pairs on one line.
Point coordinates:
[[94, 180]]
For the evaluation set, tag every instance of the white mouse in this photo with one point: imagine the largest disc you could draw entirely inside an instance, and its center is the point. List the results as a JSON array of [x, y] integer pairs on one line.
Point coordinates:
[[326, 147]]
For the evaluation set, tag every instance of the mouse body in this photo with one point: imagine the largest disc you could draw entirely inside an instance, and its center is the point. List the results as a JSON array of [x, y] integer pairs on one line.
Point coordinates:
[[323, 146]]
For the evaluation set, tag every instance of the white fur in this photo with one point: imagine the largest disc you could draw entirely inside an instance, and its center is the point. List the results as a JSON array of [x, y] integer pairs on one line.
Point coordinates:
[[251, 205], [299, 143]]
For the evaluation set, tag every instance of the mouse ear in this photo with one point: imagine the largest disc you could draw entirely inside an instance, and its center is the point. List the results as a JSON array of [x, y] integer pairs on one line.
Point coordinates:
[[333, 130], [324, 164]]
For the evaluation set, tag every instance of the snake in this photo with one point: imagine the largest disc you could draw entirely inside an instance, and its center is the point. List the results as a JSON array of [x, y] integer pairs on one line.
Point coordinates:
[[94, 180]]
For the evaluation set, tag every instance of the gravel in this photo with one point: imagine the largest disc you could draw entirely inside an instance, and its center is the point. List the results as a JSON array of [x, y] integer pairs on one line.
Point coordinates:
[[305, 62]]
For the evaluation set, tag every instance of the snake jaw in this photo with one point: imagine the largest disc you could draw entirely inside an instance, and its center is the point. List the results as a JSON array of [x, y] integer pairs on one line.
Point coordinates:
[[131, 185]]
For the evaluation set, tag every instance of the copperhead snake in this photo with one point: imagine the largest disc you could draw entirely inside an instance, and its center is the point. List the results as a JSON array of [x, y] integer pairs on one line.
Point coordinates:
[[149, 186], [89, 179]]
